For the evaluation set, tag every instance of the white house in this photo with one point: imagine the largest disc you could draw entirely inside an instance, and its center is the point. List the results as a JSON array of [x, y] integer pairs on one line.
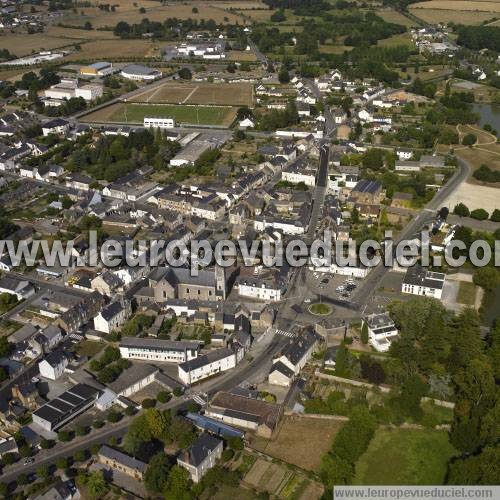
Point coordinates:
[[53, 365], [55, 126], [261, 289], [297, 352], [420, 281], [404, 153], [246, 123], [281, 375], [206, 365], [381, 331], [112, 317]]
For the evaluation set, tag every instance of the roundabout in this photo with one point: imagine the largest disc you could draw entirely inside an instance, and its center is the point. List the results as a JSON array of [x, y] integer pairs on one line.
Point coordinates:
[[320, 309]]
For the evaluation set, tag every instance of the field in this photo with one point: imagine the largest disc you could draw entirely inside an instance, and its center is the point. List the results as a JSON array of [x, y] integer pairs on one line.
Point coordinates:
[[405, 456], [302, 441], [392, 16], [135, 113], [261, 15], [126, 11], [393, 41], [456, 11], [116, 48], [94, 44], [228, 94]]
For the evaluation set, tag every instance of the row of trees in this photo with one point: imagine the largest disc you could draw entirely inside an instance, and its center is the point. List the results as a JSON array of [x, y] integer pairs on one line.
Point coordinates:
[[479, 213]]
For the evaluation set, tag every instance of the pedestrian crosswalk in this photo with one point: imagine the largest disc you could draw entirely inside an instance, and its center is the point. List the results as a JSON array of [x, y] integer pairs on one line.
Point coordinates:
[[198, 399], [285, 333]]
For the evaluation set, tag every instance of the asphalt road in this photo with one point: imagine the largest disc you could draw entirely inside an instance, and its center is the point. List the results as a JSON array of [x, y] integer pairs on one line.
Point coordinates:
[[377, 274], [319, 193]]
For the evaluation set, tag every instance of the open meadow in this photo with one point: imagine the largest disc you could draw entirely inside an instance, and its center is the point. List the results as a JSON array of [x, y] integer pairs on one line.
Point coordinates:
[[405, 456], [228, 94], [154, 11], [456, 11], [182, 114]]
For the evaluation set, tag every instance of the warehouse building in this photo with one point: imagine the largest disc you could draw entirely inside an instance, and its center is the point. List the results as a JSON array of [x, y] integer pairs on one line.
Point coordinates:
[[98, 69], [66, 407]]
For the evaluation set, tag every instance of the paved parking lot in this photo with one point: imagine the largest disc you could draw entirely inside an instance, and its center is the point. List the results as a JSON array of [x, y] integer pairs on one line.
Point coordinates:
[[330, 285]]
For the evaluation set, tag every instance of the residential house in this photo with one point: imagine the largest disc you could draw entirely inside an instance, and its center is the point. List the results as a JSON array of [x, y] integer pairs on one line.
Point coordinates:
[[381, 331], [112, 316], [201, 456], [244, 410], [53, 365], [121, 462], [206, 365]]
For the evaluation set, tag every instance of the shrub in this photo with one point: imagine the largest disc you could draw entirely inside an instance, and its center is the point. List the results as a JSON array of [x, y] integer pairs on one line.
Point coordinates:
[[163, 397], [479, 214], [469, 140], [461, 210], [148, 403]]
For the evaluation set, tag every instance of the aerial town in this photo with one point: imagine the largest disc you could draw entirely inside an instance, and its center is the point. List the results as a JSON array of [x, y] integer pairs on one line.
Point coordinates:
[[141, 140]]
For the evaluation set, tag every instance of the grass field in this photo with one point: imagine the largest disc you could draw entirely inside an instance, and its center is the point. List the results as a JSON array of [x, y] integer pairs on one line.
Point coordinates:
[[456, 11], [116, 49], [405, 456], [302, 441], [466, 293], [135, 113], [259, 16], [126, 11], [229, 94], [393, 41], [391, 16], [94, 44]]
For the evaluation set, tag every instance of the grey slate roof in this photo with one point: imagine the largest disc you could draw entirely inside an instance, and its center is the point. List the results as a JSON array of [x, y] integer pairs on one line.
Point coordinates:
[[121, 458], [200, 449]]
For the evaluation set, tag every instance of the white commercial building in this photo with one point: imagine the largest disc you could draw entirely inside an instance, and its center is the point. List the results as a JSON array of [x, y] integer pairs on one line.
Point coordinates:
[[149, 349], [89, 92], [420, 281]]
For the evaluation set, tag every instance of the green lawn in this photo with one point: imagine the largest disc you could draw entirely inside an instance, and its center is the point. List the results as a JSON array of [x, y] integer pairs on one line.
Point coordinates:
[[203, 115], [405, 456], [322, 309], [89, 348], [466, 293]]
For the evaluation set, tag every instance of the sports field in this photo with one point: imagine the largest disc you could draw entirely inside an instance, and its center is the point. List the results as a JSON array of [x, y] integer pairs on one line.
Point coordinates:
[[410, 456], [192, 115], [221, 94]]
